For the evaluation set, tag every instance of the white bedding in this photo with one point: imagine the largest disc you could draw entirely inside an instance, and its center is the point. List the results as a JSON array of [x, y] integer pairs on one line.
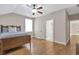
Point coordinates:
[[13, 34]]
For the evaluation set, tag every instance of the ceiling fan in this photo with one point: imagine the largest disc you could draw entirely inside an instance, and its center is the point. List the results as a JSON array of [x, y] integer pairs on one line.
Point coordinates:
[[36, 9]]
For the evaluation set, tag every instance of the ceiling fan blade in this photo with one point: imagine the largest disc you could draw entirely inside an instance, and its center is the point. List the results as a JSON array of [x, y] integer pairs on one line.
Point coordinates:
[[33, 13], [40, 12], [40, 8]]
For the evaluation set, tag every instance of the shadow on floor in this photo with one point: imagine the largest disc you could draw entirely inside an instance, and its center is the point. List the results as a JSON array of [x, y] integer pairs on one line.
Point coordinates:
[[77, 49], [18, 51]]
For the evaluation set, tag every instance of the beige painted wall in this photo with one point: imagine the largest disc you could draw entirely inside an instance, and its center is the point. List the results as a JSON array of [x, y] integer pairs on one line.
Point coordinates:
[[13, 19], [67, 27], [61, 26], [74, 17]]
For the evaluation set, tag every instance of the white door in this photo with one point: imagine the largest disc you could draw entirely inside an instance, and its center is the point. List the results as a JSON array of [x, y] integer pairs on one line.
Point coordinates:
[[40, 29], [49, 30]]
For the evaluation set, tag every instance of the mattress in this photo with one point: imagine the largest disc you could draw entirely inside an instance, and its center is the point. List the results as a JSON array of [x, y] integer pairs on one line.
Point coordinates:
[[13, 34]]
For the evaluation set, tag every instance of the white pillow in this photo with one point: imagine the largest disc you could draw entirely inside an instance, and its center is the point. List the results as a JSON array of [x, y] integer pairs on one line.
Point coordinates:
[[5, 29], [12, 29]]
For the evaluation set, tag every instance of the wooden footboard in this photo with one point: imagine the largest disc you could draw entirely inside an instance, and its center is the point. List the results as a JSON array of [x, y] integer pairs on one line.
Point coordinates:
[[9, 43], [1, 47]]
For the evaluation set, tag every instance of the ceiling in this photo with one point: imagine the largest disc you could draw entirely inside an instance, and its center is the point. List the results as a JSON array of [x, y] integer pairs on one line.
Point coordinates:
[[73, 10], [22, 9]]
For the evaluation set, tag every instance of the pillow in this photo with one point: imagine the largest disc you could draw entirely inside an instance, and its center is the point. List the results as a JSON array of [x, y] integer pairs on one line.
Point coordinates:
[[5, 29], [18, 28], [12, 29]]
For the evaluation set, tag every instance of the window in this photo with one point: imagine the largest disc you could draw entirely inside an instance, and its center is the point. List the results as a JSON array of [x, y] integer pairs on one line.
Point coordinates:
[[28, 25]]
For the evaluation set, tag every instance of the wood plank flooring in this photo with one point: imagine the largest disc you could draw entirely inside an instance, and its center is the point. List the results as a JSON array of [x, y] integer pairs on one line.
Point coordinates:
[[43, 47]]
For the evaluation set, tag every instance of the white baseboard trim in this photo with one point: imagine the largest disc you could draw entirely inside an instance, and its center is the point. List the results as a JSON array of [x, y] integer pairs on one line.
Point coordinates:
[[67, 41], [32, 36], [51, 40], [63, 43], [38, 38]]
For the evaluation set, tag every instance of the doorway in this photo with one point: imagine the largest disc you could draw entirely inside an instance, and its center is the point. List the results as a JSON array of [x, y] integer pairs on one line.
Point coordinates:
[[49, 30], [74, 27]]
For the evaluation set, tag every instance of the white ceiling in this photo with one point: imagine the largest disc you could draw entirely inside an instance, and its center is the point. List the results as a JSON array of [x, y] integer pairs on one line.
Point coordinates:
[[22, 9], [73, 10]]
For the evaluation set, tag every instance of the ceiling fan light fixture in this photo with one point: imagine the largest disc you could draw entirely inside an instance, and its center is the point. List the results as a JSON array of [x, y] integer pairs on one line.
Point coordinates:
[[34, 11]]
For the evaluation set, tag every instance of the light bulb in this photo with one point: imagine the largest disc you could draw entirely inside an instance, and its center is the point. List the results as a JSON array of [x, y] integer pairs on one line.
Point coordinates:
[[34, 10]]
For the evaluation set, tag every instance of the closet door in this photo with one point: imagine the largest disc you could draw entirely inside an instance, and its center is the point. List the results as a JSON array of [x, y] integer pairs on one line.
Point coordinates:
[[40, 29], [49, 30]]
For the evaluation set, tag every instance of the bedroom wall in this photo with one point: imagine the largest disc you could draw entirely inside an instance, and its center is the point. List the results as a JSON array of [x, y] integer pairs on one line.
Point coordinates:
[[67, 27], [74, 17], [13, 19], [61, 28]]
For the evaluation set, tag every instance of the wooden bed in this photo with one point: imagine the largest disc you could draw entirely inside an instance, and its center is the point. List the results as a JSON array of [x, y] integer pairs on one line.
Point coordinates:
[[13, 42]]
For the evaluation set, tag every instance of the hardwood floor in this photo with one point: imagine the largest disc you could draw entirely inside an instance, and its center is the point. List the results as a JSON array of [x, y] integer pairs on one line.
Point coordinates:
[[18, 51], [43, 47]]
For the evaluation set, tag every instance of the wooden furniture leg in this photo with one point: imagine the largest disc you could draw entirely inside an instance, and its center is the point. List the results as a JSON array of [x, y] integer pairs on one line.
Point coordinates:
[[1, 48]]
